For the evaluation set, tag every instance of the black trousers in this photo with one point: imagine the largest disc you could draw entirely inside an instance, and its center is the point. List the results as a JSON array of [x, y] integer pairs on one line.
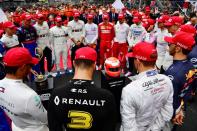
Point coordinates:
[[47, 53]]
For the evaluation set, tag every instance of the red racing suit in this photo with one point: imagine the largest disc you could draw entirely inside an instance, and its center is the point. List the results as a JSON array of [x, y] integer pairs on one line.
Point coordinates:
[[106, 35]]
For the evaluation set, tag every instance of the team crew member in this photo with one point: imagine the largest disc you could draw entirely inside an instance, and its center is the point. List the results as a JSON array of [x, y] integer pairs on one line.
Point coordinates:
[[180, 46], [136, 32], [27, 37], [25, 108], [76, 33], [91, 32], [162, 45], [42, 30], [146, 103], [192, 56], [173, 25], [59, 38], [136, 35], [80, 105], [9, 39], [106, 35], [150, 36], [120, 46]]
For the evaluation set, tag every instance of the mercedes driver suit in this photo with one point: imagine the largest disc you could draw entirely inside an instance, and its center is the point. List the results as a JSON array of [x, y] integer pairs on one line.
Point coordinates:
[[9, 42], [106, 35], [77, 34], [146, 103], [43, 43], [80, 105], [91, 35], [59, 38], [120, 46], [24, 108]]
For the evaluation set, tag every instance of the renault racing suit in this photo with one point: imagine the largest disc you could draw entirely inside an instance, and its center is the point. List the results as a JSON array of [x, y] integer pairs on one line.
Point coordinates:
[[80, 105], [146, 103]]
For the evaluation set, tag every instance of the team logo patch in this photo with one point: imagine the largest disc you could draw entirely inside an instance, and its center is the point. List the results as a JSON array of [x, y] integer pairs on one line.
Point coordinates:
[[171, 77], [57, 100], [2, 89]]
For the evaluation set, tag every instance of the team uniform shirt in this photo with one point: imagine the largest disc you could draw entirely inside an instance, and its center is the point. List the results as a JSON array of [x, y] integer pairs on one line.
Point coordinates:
[[24, 108], [81, 106], [121, 32], [43, 34], [146, 103], [182, 74], [136, 34], [76, 30], [91, 33], [9, 42]]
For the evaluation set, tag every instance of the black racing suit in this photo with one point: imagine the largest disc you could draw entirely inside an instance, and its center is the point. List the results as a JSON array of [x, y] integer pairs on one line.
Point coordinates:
[[80, 105]]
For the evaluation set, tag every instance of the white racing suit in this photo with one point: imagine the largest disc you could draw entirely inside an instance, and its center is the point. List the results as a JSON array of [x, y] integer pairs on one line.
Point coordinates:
[[43, 42], [25, 108], [91, 34], [76, 33], [146, 103], [164, 59], [136, 34], [59, 38]]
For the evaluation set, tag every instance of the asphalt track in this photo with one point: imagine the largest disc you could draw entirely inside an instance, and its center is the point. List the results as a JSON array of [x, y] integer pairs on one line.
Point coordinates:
[[190, 121]]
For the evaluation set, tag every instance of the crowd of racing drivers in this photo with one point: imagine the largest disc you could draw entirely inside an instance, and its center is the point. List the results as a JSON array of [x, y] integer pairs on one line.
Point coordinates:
[[144, 42]]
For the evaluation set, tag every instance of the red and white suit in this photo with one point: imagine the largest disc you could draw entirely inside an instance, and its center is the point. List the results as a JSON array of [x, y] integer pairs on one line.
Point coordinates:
[[120, 46], [106, 35]]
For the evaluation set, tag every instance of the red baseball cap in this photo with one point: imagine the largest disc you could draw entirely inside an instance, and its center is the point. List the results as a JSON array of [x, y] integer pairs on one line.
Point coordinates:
[[40, 16], [151, 22], [182, 39], [144, 51], [86, 53], [76, 14], [19, 56], [147, 9], [58, 19], [90, 16], [121, 16], [105, 16], [27, 17], [163, 18], [188, 28], [174, 20], [136, 20], [8, 24]]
